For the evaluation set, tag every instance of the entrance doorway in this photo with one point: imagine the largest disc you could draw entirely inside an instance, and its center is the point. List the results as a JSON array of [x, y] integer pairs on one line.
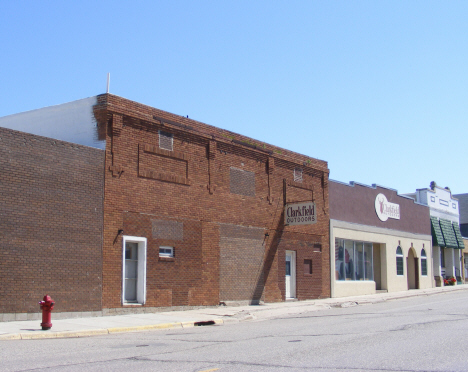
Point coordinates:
[[290, 274], [131, 271], [412, 271], [134, 270]]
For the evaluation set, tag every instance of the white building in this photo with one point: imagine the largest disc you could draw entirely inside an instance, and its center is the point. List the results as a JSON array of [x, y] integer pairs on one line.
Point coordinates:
[[446, 237]]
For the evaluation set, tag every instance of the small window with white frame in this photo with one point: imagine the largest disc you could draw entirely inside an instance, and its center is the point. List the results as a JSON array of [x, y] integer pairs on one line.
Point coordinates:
[[165, 140], [166, 251], [298, 174]]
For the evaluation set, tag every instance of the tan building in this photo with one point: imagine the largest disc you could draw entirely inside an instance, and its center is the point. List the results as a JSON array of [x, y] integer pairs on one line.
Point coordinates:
[[379, 241]]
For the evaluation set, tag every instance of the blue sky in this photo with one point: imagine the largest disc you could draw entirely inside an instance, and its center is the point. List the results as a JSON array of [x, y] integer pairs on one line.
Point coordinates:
[[376, 88]]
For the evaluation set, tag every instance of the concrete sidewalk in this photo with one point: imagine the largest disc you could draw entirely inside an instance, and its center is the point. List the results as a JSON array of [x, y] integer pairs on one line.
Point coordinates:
[[84, 327]]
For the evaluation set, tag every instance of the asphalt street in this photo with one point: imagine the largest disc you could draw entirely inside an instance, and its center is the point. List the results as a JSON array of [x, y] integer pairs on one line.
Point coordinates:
[[422, 333]]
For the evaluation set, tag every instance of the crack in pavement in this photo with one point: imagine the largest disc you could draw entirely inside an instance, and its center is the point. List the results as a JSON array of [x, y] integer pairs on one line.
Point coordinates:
[[417, 325], [240, 363]]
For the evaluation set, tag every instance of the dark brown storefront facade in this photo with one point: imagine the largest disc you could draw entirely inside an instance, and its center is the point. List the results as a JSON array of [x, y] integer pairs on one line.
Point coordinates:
[[379, 241]]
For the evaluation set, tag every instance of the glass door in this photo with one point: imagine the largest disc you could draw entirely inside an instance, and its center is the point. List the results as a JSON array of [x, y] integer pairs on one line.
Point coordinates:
[[290, 274], [131, 272]]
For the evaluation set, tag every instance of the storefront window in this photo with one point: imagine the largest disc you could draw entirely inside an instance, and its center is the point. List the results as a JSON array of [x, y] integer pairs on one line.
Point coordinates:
[[359, 250], [368, 261], [353, 260], [349, 259], [339, 260]]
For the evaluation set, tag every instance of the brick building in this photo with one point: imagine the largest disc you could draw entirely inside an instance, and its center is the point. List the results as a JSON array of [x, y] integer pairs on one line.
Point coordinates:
[[51, 211], [194, 215]]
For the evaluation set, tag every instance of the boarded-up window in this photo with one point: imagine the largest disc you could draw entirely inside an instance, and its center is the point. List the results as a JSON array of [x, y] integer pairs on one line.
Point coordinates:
[[298, 174], [242, 182], [307, 267], [171, 230], [165, 140]]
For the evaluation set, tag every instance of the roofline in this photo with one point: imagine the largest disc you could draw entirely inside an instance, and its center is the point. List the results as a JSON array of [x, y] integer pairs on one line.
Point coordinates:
[[115, 104], [374, 187], [452, 196]]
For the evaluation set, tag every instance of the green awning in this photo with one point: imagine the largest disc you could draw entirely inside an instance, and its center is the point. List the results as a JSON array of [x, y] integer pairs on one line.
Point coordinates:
[[458, 235], [437, 237], [449, 233]]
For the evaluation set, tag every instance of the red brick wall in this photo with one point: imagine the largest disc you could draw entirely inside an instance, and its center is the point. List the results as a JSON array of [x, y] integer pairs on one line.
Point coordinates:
[[241, 261], [192, 185], [51, 223]]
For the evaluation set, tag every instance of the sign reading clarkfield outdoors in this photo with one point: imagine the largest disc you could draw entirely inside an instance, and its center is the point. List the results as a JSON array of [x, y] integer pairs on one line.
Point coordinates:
[[300, 214]]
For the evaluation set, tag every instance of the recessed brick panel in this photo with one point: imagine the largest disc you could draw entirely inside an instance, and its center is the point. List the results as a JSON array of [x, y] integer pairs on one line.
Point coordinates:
[[241, 259], [162, 164], [242, 182], [296, 194], [165, 229]]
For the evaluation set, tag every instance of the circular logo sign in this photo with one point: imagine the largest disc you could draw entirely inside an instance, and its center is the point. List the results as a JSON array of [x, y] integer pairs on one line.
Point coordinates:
[[380, 202], [386, 210]]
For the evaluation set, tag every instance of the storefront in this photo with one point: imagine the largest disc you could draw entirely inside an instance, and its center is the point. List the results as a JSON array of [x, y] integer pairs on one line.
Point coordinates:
[[446, 237], [379, 241]]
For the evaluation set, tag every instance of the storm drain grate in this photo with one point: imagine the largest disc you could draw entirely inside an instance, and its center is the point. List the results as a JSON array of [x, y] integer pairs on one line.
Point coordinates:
[[207, 323]]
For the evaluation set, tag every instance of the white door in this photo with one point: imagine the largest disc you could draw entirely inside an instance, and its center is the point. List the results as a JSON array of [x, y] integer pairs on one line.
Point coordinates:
[[290, 274], [131, 272], [134, 270]]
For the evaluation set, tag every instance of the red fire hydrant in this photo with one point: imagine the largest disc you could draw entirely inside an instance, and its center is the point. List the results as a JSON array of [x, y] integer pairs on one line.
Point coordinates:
[[47, 305]]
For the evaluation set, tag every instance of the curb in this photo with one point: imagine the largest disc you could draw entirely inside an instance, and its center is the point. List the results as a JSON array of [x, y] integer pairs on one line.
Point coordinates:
[[361, 300], [106, 331]]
